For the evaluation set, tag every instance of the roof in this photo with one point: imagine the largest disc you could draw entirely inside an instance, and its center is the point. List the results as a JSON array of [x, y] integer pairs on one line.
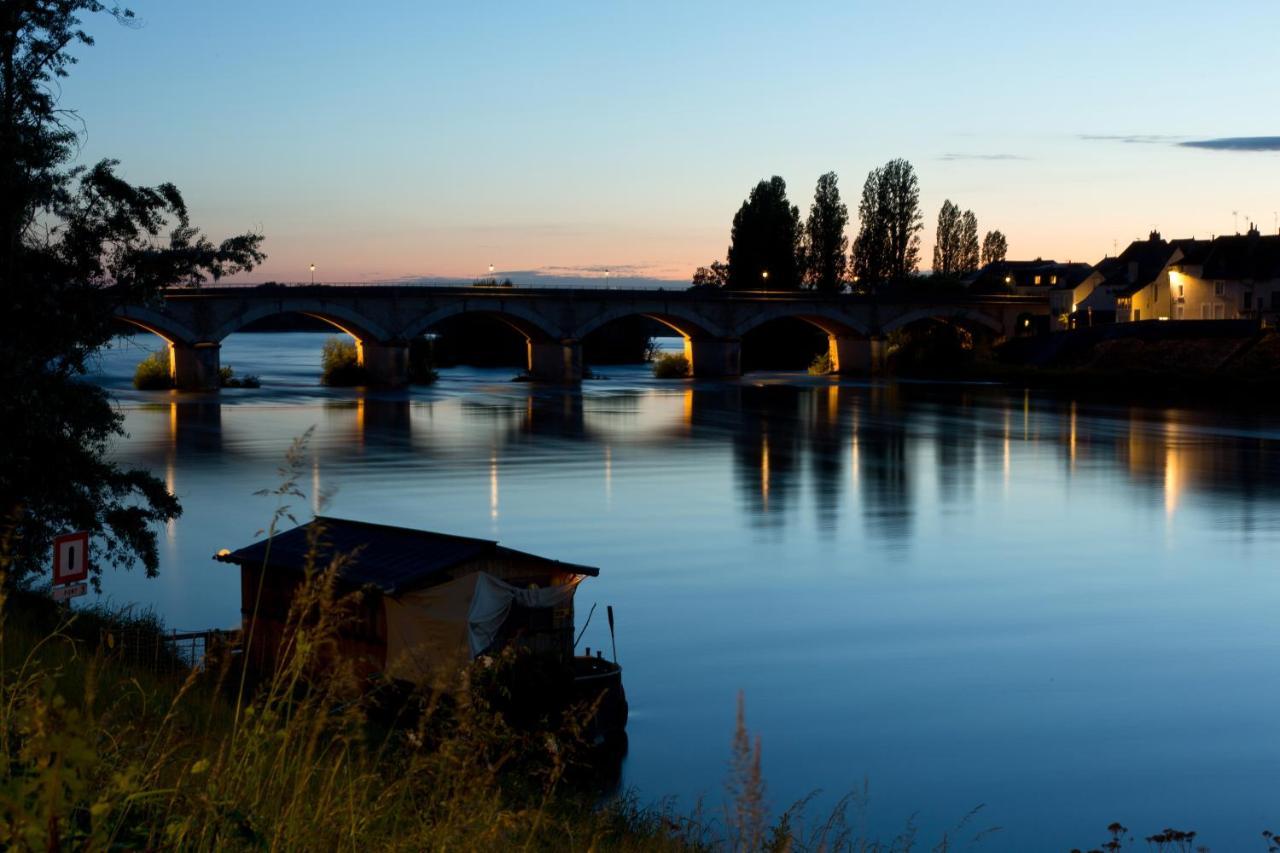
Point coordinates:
[[1250, 256], [393, 559], [1023, 273]]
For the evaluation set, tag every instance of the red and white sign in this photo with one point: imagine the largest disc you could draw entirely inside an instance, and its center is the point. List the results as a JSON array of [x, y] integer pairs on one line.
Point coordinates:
[[70, 558]]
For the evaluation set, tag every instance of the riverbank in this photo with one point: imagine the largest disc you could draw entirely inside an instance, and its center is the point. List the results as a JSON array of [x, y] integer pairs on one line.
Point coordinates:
[[107, 748], [1232, 363]]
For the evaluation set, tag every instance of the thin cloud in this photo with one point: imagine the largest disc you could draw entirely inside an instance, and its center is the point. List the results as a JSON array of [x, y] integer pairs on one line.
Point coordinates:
[[983, 157], [1132, 138], [1236, 143]]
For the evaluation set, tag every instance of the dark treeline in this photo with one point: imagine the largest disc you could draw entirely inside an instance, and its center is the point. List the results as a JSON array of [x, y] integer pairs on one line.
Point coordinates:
[[772, 248]]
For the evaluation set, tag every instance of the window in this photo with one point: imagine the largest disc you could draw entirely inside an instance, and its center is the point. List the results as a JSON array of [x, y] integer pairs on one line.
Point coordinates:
[[1206, 311], [1137, 314], [1179, 311], [1182, 291], [1037, 279], [1219, 311], [1053, 279], [1219, 288]]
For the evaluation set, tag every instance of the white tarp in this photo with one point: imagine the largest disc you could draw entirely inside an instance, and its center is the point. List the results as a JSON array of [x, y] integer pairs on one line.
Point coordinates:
[[492, 602], [434, 631]]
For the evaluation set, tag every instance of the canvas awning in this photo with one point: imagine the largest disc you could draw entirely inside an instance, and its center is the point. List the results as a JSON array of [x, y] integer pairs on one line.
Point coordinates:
[[433, 632]]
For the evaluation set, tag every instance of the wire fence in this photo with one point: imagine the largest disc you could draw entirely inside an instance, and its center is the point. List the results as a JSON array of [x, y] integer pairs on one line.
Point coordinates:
[[174, 652]]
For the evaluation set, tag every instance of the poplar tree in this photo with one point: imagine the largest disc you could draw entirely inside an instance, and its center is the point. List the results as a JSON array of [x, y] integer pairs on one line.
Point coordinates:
[[946, 245], [825, 244], [968, 254], [994, 248], [887, 247], [764, 252]]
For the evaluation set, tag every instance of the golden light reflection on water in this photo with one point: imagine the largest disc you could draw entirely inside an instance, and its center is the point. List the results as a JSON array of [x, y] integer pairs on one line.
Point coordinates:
[[1071, 441], [764, 473]]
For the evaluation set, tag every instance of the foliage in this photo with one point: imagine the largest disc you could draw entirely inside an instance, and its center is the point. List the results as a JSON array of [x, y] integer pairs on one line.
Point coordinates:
[[75, 243], [825, 247], [887, 248], [969, 254], [422, 370], [340, 363], [946, 244], [955, 249], [492, 282], [822, 364], [227, 379], [994, 248], [671, 365], [152, 373], [764, 249], [716, 275], [930, 349]]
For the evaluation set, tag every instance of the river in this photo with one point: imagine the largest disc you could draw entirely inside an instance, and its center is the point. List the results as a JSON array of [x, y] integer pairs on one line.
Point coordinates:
[[955, 595]]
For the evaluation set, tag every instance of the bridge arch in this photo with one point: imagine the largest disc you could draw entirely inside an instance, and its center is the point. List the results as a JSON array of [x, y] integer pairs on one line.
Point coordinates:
[[337, 315], [534, 328], [836, 324], [681, 320], [158, 323], [946, 315]]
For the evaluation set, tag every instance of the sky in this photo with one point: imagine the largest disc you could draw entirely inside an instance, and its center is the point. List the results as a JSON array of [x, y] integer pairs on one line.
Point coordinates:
[[393, 140]]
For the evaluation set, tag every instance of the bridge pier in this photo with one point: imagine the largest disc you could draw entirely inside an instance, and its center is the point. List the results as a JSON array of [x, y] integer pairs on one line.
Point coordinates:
[[555, 361], [194, 367], [387, 364], [857, 355], [710, 357]]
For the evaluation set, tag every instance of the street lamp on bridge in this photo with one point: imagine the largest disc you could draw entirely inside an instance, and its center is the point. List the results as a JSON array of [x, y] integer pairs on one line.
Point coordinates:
[[313, 273]]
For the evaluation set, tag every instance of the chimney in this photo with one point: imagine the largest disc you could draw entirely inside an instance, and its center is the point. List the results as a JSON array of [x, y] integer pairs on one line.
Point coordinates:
[[1154, 236]]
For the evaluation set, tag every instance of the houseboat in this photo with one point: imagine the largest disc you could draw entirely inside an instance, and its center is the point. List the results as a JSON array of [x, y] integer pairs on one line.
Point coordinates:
[[431, 604]]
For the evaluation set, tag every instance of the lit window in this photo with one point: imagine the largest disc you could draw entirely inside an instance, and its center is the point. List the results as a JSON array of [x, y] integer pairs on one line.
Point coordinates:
[[1037, 279], [1053, 279]]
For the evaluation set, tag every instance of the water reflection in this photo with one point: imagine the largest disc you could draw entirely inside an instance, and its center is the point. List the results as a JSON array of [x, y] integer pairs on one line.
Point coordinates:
[[1006, 556]]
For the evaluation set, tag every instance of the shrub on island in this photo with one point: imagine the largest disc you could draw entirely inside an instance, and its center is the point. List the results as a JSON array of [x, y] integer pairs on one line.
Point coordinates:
[[671, 366], [152, 373], [341, 364]]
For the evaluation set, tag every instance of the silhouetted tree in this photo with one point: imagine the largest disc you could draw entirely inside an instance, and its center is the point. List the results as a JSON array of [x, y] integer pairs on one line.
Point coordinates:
[[765, 242], [716, 275], [946, 246], [888, 244], [994, 247], [969, 257], [825, 244], [76, 244]]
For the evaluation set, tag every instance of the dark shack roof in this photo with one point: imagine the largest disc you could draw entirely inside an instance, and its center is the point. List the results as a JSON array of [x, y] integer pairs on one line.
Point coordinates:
[[392, 558]]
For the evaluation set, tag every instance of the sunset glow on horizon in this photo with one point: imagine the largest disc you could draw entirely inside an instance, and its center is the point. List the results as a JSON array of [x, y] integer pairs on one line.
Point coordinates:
[[556, 143]]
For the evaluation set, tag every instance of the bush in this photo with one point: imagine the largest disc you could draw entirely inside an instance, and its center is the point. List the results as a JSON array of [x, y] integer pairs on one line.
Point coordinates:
[[341, 363], [153, 372], [822, 365], [422, 370], [227, 379], [671, 366]]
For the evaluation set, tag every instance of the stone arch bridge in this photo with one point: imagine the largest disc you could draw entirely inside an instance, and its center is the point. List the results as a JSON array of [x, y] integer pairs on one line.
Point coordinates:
[[384, 318]]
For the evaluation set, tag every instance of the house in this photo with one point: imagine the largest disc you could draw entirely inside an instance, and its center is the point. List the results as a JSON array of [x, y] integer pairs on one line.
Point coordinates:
[[1025, 278], [1235, 277], [431, 602], [1133, 286]]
